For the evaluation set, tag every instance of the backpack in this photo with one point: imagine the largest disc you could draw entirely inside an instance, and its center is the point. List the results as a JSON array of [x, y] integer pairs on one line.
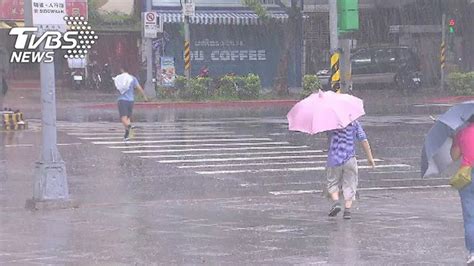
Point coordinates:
[[122, 82]]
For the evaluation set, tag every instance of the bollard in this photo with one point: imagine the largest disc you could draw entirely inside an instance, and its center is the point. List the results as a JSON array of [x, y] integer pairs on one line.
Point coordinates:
[[7, 120], [13, 120]]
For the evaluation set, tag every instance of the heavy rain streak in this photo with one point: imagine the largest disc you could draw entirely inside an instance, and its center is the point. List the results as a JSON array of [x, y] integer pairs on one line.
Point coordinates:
[[236, 132]]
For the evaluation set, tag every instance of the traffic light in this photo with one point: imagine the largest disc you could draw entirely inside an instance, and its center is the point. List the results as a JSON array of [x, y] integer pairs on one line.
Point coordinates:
[[452, 25]]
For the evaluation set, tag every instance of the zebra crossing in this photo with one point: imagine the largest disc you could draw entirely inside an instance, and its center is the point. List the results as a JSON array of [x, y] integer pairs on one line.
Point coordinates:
[[213, 147]]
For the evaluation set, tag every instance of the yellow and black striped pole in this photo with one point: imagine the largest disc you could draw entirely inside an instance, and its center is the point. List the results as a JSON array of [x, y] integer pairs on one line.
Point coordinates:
[[443, 56], [187, 56], [335, 72], [187, 48]]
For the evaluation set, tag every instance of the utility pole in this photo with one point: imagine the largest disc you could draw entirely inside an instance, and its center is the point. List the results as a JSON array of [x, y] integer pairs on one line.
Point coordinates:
[[335, 78], [149, 87], [187, 43], [346, 76], [443, 50], [51, 187], [345, 22], [333, 36]]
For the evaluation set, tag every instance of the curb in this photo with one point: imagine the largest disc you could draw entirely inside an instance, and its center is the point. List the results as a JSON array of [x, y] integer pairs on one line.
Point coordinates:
[[450, 99], [197, 105]]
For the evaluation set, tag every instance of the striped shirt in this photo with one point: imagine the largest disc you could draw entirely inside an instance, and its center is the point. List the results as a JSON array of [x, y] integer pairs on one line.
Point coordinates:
[[342, 143]]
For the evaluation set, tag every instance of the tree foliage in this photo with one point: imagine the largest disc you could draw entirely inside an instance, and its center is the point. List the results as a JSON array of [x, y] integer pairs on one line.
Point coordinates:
[[289, 30], [257, 7], [98, 18]]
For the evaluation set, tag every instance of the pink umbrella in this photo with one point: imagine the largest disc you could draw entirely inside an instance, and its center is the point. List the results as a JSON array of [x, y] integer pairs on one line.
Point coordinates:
[[324, 111]]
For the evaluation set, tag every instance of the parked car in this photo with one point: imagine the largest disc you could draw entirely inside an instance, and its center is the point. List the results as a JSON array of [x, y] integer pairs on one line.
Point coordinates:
[[380, 66]]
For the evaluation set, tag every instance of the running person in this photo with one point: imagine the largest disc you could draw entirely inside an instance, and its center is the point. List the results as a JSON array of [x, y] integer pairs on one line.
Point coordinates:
[[126, 101]]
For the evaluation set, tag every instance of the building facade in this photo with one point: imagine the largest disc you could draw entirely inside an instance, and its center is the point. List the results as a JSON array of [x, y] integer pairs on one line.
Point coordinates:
[[228, 37]]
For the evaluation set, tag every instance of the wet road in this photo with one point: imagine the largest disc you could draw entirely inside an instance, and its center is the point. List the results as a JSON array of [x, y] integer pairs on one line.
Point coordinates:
[[229, 188]]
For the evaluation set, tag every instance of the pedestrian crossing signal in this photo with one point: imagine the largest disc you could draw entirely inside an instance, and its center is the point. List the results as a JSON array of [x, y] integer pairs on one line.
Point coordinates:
[[452, 25]]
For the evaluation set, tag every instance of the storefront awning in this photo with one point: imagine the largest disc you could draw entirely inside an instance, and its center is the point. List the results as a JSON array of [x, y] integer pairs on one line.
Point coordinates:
[[221, 17], [11, 24], [4, 25]]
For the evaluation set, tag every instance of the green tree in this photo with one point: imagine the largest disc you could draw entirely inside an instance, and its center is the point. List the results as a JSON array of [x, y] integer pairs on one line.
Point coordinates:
[[101, 19], [290, 30]]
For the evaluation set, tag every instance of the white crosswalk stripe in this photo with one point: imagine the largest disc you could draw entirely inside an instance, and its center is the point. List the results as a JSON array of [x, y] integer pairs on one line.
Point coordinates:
[[141, 136], [252, 144], [232, 154], [150, 133], [239, 165], [213, 148], [242, 159], [178, 141], [301, 169]]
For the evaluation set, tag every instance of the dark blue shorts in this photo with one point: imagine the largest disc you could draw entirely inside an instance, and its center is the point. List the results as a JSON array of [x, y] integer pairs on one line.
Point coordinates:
[[125, 108]]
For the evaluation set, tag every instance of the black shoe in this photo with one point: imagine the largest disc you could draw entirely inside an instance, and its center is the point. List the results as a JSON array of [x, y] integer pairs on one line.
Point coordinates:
[[335, 209], [126, 137], [347, 215]]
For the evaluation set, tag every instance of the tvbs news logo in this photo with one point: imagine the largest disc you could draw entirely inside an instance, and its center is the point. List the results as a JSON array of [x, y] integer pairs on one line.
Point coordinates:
[[32, 46]]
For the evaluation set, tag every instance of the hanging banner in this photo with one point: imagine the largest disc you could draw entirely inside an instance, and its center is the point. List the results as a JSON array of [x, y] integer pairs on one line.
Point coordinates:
[[168, 71], [14, 9]]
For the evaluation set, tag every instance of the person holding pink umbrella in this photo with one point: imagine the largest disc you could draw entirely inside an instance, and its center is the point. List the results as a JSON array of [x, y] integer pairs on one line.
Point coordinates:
[[337, 115], [341, 166]]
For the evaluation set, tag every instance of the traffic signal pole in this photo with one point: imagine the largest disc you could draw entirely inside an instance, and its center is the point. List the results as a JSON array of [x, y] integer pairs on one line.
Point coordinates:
[[346, 73], [333, 36], [443, 50], [343, 19], [149, 86], [50, 185], [187, 46], [334, 79]]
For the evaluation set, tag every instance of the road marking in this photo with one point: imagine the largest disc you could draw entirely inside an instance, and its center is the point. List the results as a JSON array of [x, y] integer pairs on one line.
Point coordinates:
[[69, 144], [434, 104], [31, 145], [202, 145], [166, 137], [18, 145], [239, 159], [316, 182], [300, 192], [228, 154], [302, 169], [140, 132], [178, 140], [394, 172], [218, 149], [259, 164], [412, 179]]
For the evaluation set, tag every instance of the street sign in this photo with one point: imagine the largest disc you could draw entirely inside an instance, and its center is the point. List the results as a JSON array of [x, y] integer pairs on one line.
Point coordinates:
[[152, 24], [189, 9], [49, 14]]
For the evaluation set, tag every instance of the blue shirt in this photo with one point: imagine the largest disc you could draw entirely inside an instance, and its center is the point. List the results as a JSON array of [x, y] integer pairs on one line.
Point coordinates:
[[342, 143], [129, 95]]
